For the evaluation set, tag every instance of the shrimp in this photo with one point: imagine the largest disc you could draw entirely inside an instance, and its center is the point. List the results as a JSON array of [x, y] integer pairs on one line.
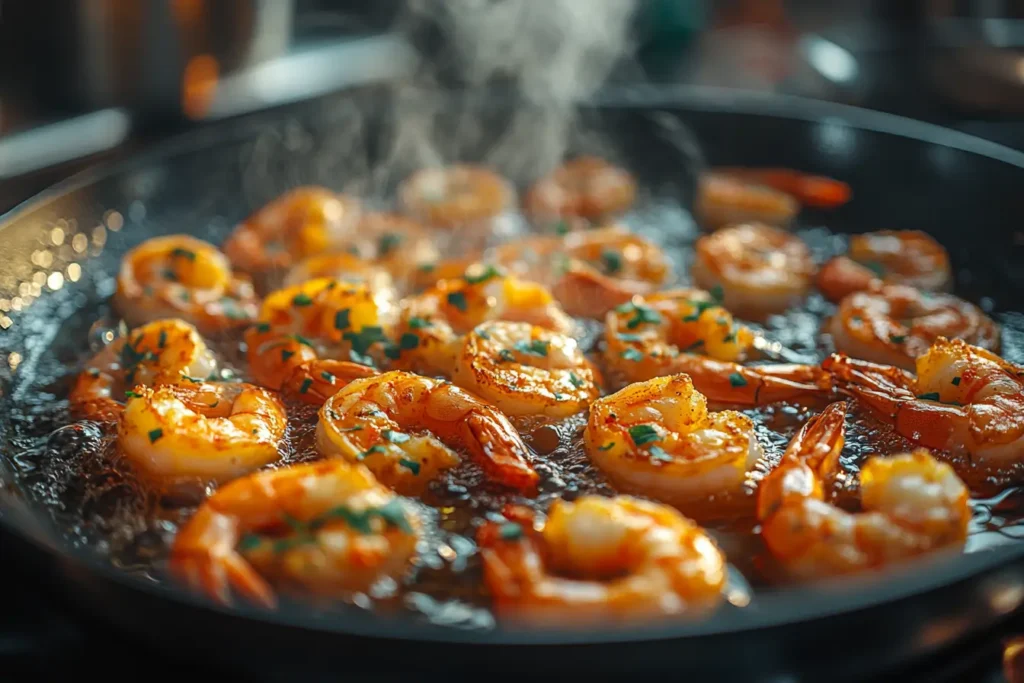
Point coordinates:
[[322, 318], [662, 334], [809, 190], [526, 370], [760, 269], [895, 324], [179, 276], [964, 399], [431, 325], [300, 223], [912, 505], [326, 527], [598, 558], [404, 427], [346, 267], [212, 432], [724, 199], [588, 187], [893, 257], [657, 439], [458, 196], [159, 352]]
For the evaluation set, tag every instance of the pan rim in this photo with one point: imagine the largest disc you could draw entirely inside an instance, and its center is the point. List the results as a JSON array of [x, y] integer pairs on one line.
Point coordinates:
[[788, 606]]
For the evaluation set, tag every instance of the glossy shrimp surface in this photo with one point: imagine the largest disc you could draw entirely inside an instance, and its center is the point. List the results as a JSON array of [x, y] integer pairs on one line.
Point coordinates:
[[179, 276], [912, 505], [759, 269], [658, 439], [526, 370], [895, 324], [205, 432], [457, 196], [619, 560], [406, 428], [328, 528], [160, 352], [724, 199], [587, 187]]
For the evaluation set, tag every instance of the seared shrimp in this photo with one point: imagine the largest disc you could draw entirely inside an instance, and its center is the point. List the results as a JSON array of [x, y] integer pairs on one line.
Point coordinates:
[[210, 432], [657, 439], [724, 199], [160, 352], [431, 325], [896, 324], [322, 318], [588, 187], [760, 269], [179, 276], [686, 330], [404, 427], [526, 370], [350, 268], [810, 190], [963, 399], [599, 559], [458, 196], [300, 223], [912, 504], [887, 257], [325, 527]]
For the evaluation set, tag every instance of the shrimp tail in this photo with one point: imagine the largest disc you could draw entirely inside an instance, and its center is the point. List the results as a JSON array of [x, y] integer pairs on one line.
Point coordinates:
[[314, 382], [727, 382], [810, 190], [502, 458]]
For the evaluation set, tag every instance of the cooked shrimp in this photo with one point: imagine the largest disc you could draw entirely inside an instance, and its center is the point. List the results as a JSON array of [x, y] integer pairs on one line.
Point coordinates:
[[894, 257], [346, 267], [300, 223], [686, 330], [526, 370], [912, 504], [597, 558], [326, 527], [657, 439], [759, 269], [456, 196], [210, 432], [431, 325], [322, 318], [401, 245], [896, 324], [809, 190], [179, 276], [963, 399], [404, 427], [160, 352], [724, 199], [587, 187]]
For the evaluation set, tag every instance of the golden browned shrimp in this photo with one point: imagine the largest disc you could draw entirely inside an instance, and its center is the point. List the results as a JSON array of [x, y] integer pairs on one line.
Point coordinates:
[[404, 427], [458, 196], [912, 503], [326, 527], [179, 276], [723, 199], [587, 187], [895, 324], [759, 269], [526, 370], [159, 352], [205, 432], [601, 559]]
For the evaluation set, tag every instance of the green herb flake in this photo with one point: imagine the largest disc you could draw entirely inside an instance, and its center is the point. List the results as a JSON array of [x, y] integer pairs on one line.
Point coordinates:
[[194, 380], [607, 447], [642, 434], [132, 394], [458, 300], [161, 341], [155, 434], [355, 428], [302, 299], [729, 338], [426, 267], [717, 293], [737, 380], [611, 261], [897, 338], [388, 242], [575, 379], [562, 227], [956, 381], [659, 453], [642, 315], [286, 354], [930, 396], [417, 323], [408, 341], [341, 319], [262, 328], [249, 542], [875, 267], [506, 356], [411, 465], [534, 347], [694, 346], [183, 253], [327, 377], [394, 437], [486, 274], [306, 384], [633, 355], [373, 449], [630, 337], [510, 531], [368, 336]]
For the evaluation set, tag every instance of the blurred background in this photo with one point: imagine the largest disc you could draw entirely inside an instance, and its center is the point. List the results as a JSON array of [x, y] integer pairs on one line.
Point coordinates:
[[89, 80]]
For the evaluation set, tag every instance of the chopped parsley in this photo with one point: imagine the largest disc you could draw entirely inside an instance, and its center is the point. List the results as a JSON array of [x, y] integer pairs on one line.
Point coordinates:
[[426, 267], [458, 300], [327, 377], [194, 380], [611, 261], [183, 253], [286, 354], [659, 453], [368, 336], [373, 449], [737, 380], [930, 396], [897, 338], [161, 341], [302, 299], [694, 346], [630, 336], [306, 384], [699, 308], [408, 341], [418, 323], [534, 347], [249, 542], [387, 242], [341, 319], [393, 513], [729, 338], [575, 379], [632, 354], [394, 437], [411, 465], [875, 267], [956, 381], [132, 394], [607, 446], [641, 315], [486, 274], [717, 293], [155, 434], [262, 327], [642, 434], [562, 227], [356, 428], [510, 531], [506, 356]]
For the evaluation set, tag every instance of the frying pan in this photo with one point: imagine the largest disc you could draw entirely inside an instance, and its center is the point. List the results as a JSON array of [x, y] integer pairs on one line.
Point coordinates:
[[904, 174]]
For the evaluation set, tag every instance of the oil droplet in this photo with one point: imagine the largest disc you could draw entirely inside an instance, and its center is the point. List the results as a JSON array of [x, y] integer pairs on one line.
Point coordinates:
[[79, 242], [57, 236], [55, 281], [114, 220], [14, 360], [74, 272]]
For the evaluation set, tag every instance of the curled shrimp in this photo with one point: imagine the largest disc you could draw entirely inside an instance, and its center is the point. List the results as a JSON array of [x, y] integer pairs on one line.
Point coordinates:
[[587, 187], [159, 352], [912, 505], [724, 199], [179, 276], [810, 190], [759, 269], [210, 432], [458, 196], [300, 223], [347, 267], [887, 257], [964, 399], [526, 370], [404, 427], [597, 558], [658, 439], [326, 527], [895, 324], [686, 330], [431, 325], [318, 319]]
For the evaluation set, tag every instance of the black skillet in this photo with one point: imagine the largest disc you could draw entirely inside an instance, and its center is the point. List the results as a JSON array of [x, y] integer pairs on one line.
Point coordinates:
[[905, 174]]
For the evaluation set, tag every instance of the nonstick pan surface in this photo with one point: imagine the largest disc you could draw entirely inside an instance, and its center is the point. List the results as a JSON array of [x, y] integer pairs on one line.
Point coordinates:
[[904, 174]]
